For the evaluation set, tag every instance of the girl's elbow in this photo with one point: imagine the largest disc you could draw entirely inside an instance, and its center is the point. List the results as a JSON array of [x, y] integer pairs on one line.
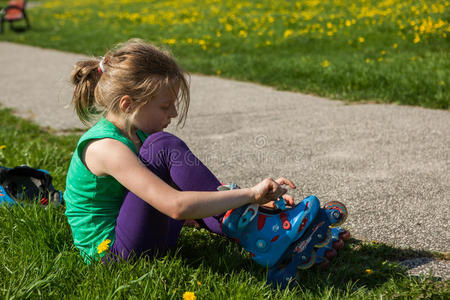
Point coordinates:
[[178, 217], [178, 212]]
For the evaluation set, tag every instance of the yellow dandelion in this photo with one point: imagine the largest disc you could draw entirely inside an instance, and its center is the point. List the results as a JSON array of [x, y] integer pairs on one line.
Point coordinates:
[[242, 33], [268, 43], [416, 38], [325, 63], [348, 23], [374, 242], [380, 59], [368, 60], [361, 39], [395, 46], [368, 271], [171, 41], [218, 72], [2, 147], [228, 27], [104, 246], [199, 283], [218, 34], [288, 33], [189, 296], [329, 25], [383, 52]]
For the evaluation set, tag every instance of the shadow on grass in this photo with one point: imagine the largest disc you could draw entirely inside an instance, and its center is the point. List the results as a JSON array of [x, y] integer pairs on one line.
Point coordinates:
[[360, 264], [40, 259]]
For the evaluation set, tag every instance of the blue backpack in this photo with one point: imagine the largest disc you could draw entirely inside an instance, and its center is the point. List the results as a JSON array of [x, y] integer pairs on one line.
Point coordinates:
[[26, 184]]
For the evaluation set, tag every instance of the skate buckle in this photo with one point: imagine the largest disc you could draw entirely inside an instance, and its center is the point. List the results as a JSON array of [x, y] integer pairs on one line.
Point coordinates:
[[248, 215], [280, 203]]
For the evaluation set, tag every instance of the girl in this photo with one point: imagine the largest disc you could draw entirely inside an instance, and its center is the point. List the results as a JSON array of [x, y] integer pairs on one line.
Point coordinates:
[[139, 89]]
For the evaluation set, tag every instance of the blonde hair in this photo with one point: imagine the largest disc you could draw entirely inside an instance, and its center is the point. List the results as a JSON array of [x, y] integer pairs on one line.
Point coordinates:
[[134, 68]]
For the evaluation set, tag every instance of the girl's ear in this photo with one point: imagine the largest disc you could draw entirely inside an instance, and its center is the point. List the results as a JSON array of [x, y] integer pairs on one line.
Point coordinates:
[[125, 104]]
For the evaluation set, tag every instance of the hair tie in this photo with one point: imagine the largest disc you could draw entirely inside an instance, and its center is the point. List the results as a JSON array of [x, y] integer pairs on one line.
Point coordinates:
[[101, 69]]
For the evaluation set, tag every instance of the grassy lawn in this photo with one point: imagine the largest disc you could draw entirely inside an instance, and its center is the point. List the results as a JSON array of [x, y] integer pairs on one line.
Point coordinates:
[[387, 51], [38, 258]]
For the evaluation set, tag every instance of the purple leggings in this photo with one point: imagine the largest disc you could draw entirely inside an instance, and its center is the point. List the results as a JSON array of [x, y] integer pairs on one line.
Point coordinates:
[[140, 228]]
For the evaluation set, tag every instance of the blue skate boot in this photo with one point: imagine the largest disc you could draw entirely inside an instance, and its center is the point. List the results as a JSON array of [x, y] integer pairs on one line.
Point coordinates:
[[287, 239], [312, 247], [267, 234]]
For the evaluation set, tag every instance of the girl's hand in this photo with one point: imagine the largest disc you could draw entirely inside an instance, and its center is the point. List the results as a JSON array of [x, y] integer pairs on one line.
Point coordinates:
[[270, 190]]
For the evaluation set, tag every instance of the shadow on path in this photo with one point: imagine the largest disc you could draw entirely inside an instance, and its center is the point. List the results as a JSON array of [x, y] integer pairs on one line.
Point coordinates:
[[360, 265]]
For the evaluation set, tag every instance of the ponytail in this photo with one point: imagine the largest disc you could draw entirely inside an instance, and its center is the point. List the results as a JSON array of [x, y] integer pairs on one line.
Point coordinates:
[[85, 77]]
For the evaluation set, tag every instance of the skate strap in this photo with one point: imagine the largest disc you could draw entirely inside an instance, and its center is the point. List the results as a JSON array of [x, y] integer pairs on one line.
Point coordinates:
[[249, 213], [280, 203]]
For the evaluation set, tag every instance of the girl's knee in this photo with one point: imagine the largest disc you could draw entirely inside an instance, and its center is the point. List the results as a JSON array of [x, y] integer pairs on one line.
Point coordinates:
[[160, 151], [162, 140]]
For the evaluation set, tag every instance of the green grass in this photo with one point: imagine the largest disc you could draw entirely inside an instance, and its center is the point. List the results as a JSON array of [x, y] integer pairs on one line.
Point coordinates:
[[38, 258], [392, 51]]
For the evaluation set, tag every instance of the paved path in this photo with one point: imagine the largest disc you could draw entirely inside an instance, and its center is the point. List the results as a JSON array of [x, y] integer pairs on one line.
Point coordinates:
[[389, 164]]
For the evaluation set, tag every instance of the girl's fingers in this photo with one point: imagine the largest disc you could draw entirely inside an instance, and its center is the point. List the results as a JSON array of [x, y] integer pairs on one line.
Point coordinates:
[[270, 204], [289, 200], [274, 187], [277, 194], [285, 181], [272, 190]]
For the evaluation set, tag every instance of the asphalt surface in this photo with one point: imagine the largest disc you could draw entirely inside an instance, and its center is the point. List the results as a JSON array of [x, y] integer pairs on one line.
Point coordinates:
[[389, 164]]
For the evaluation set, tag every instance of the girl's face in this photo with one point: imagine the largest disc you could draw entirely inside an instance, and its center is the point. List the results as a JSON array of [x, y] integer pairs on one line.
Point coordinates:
[[156, 114]]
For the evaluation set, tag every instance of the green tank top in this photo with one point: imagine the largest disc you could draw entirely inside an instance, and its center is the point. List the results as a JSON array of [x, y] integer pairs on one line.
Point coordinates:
[[93, 202]]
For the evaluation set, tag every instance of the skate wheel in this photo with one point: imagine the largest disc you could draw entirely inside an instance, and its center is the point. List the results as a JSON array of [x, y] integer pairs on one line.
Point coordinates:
[[325, 241], [341, 208], [345, 235], [331, 254], [309, 263], [338, 245]]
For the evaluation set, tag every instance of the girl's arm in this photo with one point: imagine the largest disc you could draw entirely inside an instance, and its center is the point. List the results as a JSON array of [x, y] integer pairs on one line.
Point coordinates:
[[111, 157]]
